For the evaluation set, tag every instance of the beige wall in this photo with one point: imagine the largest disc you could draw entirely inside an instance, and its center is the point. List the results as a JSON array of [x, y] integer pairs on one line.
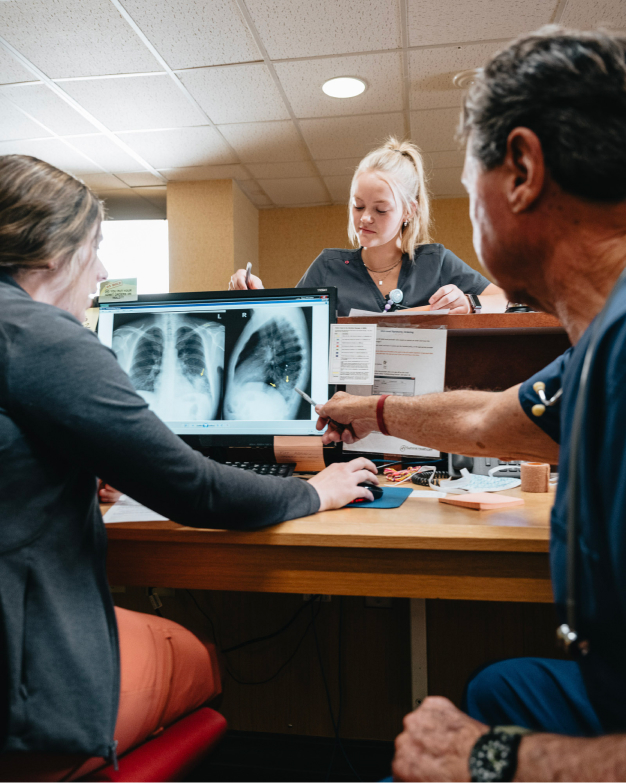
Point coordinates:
[[291, 239], [246, 231], [212, 228]]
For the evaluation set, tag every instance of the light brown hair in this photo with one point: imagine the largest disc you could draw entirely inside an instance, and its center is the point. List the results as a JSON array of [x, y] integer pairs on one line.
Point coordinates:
[[45, 214]]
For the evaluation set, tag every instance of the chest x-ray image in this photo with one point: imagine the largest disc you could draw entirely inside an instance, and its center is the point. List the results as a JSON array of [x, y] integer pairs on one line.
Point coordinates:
[[271, 356], [175, 362]]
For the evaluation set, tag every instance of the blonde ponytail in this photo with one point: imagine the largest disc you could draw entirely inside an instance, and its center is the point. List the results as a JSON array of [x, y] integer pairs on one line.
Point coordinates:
[[401, 163]]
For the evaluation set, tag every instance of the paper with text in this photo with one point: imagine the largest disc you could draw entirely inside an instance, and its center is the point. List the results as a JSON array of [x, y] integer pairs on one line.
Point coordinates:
[[408, 362], [352, 350], [124, 290], [128, 510]]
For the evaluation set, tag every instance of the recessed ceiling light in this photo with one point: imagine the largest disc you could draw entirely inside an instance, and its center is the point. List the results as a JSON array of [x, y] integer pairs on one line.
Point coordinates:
[[344, 87], [465, 79]]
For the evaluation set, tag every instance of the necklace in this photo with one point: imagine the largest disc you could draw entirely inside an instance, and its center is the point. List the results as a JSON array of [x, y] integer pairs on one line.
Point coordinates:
[[381, 272]]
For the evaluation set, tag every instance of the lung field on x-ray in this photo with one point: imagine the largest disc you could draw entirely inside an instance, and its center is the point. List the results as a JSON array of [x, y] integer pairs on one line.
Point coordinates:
[[175, 361], [270, 357]]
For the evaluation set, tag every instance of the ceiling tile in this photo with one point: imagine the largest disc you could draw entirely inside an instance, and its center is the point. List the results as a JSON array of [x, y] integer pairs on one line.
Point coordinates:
[[105, 153], [103, 182], [140, 179], [303, 80], [447, 182], [180, 147], [156, 196], [53, 151], [196, 32], [583, 15], [339, 188], [434, 130], [347, 137], [234, 171], [288, 192], [129, 205], [341, 167], [14, 124], [135, 103], [444, 160], [432, 70], [448, 21], [11, 71], [301, 168], [300, 28], [265, 142], [44, 105], [75, 38], [236, 93], [252, 189]]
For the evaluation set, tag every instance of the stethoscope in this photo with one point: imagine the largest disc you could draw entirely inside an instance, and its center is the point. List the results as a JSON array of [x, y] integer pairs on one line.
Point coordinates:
[[567, 633], [393, 301]]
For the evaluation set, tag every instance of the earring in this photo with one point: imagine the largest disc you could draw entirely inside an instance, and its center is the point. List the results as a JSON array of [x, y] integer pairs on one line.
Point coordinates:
[[406, 223]]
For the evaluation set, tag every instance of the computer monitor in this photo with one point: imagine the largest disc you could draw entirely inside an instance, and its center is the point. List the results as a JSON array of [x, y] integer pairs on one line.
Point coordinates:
[[226, 363]]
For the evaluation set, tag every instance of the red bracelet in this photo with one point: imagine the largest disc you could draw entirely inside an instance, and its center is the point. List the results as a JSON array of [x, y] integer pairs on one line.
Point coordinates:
[[380, 419]]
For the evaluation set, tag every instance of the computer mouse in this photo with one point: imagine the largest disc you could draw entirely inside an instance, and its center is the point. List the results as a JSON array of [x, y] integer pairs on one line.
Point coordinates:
[[373, 488]]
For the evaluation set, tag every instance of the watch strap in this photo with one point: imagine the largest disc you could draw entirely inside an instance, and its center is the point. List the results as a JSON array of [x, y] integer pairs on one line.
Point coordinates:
[[494, 755]]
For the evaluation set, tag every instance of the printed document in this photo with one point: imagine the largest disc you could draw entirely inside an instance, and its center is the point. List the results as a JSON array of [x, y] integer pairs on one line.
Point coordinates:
[[408, 362], [352, 350], [128, 510]]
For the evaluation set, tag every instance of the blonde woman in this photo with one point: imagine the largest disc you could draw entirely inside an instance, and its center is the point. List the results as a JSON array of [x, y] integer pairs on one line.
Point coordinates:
[[389, 217]]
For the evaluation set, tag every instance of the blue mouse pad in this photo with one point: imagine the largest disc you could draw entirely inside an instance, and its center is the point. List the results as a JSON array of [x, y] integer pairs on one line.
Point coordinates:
[[393, 497]]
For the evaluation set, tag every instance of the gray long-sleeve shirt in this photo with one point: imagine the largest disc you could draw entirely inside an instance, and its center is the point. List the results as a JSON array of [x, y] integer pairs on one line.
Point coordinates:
[[68, 413]]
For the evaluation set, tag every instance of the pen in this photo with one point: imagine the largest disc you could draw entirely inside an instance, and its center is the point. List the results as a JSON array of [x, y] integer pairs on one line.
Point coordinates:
[[248, 273], [340, 427]]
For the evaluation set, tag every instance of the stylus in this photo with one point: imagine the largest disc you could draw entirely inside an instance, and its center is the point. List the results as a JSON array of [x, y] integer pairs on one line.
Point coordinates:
[[340, 427], [248, 273]]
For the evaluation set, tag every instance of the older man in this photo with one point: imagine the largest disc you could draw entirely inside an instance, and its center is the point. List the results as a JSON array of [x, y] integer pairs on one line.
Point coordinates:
[[546, 175]]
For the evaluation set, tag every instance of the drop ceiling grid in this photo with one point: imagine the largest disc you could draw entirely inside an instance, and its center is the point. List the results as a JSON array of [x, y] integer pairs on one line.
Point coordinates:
[[297, 37]]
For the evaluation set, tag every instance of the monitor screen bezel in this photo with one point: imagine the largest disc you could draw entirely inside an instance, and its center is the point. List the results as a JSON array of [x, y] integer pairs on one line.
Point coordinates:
[[206, 441]]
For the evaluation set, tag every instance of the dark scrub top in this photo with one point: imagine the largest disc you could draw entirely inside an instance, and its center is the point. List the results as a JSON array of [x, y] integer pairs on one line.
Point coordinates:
[[602, 539], [431, 267], [69, 413]]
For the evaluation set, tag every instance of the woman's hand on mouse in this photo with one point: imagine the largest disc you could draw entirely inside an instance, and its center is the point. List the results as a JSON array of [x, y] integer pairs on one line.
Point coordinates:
[[238, 281], [450, 297], [348, 409], [337, 485]]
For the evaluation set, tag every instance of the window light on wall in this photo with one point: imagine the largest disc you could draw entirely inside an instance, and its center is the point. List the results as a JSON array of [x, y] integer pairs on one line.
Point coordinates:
[[137, 248]]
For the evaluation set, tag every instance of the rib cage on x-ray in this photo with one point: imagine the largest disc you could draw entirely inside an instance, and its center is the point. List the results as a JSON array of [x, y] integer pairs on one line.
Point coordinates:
[[175, 362], [270, 358]]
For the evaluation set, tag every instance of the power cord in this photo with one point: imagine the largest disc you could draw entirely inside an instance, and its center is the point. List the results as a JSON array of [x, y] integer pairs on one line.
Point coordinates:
[[255, 640], [335, 723]]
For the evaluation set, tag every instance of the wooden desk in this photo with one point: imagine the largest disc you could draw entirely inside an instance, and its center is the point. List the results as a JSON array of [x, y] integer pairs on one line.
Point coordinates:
[[424, 549]]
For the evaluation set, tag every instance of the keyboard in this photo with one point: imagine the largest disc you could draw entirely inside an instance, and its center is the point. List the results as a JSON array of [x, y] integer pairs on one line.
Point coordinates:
[[282, 469]]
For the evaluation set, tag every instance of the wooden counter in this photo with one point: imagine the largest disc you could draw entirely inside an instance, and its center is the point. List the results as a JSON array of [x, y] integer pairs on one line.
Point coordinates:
[[424, 549]]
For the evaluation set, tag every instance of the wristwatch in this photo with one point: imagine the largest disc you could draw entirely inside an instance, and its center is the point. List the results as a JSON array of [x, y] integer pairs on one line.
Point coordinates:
[[474, 303], [494, 756]]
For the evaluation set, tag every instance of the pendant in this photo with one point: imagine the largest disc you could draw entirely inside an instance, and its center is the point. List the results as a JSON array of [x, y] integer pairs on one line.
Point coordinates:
[[380, 282]]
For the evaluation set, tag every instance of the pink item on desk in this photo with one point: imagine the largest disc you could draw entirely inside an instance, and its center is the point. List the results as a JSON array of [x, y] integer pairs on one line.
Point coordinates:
[[483, 501]]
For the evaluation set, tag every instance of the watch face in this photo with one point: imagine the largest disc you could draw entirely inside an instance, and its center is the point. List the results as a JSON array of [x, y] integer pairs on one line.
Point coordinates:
[[494, 756]]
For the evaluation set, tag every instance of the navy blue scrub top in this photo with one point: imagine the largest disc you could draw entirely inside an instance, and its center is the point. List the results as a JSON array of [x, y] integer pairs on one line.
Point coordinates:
[[601, 579], [431, 267]]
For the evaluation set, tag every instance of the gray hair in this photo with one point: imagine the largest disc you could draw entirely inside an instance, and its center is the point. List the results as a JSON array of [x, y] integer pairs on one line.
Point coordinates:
[[569, 88]]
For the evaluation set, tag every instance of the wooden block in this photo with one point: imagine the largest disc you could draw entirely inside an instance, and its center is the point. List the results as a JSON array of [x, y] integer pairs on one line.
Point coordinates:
[[482, 501]]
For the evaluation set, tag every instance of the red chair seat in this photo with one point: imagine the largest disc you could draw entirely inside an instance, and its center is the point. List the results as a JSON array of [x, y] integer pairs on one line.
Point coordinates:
[[171, 754]]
